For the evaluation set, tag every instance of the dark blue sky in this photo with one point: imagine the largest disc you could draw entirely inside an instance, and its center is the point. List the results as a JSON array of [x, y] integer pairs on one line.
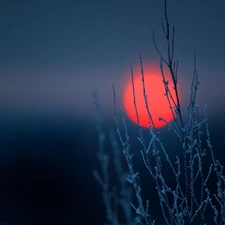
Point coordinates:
[[52, 54]]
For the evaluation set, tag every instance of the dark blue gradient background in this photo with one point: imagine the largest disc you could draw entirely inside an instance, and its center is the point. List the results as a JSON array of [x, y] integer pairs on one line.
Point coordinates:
[[52, 54]]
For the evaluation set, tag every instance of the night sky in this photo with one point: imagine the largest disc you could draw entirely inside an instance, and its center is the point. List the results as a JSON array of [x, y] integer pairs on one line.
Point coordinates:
[[52, 55]]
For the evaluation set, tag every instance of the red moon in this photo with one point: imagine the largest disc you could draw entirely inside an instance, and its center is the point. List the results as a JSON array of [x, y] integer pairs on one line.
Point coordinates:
[[157, 101]]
